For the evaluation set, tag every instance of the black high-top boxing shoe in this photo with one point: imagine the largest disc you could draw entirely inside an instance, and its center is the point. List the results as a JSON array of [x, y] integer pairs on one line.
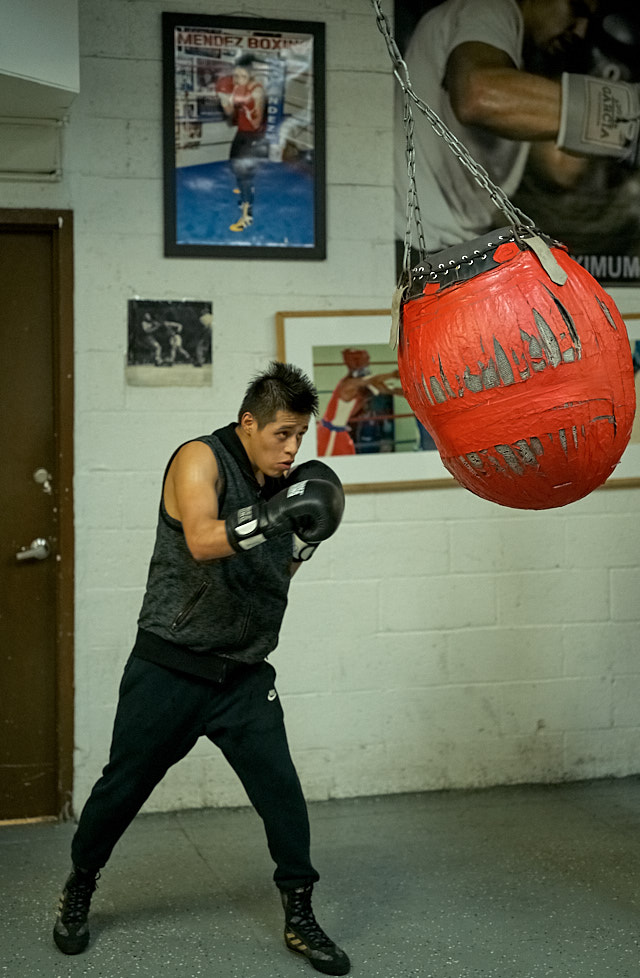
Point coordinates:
[[71, 929], [304, 935]]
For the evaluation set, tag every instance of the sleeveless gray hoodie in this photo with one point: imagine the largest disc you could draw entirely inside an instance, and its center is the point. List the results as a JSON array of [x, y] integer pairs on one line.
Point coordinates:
[[231, 607]]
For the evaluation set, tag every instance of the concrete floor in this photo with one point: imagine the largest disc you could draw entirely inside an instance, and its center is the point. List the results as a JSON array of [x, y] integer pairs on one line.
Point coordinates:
[[505, 883]]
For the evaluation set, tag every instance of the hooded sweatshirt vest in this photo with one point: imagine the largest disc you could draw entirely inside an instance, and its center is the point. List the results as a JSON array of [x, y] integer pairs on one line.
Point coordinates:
[[230, 607]]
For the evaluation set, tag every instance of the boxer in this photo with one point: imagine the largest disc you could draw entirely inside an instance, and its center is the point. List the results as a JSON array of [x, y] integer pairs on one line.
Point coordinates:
[[236, 519]]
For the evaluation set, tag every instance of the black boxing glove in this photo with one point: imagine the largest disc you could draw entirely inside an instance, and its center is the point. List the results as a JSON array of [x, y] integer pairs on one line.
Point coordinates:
[[303, 546], [312, 509]]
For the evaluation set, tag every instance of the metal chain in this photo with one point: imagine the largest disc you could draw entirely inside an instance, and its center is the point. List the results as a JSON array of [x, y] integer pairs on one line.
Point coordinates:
[[515, 216], [413, 205]]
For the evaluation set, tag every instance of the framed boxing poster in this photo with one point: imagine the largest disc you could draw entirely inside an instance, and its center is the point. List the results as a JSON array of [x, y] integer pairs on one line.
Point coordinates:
[[364, 421], [244, 137]]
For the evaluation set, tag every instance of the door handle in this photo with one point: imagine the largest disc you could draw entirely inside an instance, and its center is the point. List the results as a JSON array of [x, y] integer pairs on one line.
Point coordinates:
[[38, 549], [43, 478]]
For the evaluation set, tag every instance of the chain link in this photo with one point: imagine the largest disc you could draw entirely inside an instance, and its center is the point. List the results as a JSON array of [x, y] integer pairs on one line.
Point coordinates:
[[515, 216], [413, 205]]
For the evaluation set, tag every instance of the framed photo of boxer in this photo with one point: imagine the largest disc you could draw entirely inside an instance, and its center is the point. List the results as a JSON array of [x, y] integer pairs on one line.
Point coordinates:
[[169, 334], [244, 137], [365, 424]]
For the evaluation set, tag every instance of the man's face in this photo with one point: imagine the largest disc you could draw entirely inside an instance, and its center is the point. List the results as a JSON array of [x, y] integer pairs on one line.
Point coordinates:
[[556, 26], [272, 448], [241, 76]]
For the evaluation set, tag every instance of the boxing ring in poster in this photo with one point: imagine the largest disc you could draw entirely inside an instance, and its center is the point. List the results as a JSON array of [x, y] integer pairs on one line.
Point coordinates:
[[365, 428], [244, 137]]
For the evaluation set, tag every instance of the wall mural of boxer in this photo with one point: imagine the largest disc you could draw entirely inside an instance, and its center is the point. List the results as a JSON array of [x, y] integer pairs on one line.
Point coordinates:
[[554, 73]]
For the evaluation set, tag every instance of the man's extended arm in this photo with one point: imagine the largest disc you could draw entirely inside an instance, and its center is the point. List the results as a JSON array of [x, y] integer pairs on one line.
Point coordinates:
[[379, 382], [310, 508], [350, 387], [585, 115], [486, 89]]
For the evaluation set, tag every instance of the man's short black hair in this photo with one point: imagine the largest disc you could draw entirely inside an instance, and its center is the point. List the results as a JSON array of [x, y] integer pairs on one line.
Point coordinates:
[[281, 387]]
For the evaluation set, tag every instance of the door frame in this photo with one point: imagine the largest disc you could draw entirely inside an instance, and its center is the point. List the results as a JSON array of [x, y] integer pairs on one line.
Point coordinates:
[[60, 223]]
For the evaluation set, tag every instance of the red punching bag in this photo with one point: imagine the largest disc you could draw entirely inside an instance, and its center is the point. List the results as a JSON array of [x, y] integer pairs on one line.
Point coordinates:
[[525, 385]]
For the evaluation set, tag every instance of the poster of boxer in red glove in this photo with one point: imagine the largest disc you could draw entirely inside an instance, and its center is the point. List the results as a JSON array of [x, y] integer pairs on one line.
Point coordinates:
[[244, 148], [363, 410], [546, 97]]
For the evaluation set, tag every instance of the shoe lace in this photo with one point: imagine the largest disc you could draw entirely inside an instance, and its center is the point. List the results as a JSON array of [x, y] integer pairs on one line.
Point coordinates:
[[302, 915], [77, 898]]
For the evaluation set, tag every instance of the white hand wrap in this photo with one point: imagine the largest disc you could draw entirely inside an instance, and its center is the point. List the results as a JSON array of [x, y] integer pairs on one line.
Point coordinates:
[[302, 550]]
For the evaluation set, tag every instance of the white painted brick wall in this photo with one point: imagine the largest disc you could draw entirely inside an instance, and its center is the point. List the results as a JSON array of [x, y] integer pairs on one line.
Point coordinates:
[[436, 640]]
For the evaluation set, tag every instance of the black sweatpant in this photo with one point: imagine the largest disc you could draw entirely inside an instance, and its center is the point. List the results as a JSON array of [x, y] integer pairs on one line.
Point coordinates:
[[247, 150], [160, 716]]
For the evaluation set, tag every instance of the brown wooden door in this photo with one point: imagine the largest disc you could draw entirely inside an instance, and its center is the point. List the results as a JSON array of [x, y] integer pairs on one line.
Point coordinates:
[[35, 460]]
